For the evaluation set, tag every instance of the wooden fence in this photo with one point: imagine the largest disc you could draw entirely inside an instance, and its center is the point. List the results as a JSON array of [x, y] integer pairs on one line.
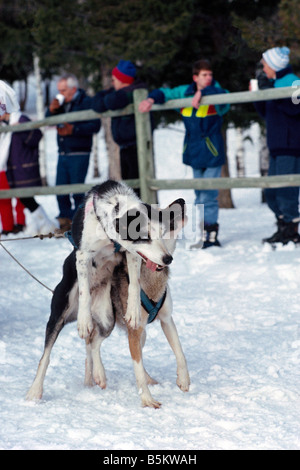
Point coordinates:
[[147, 182]]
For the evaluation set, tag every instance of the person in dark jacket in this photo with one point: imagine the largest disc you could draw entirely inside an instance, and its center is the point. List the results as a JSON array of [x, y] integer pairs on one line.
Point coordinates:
[[74, 144], [282, 118], [123, 127], [203, 143]]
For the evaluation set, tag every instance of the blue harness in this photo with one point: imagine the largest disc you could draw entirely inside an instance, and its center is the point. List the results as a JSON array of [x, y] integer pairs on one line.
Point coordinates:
[[152, 308]]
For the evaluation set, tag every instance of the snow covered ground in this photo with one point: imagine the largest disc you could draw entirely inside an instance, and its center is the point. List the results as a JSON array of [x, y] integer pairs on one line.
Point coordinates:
[[237, 312]]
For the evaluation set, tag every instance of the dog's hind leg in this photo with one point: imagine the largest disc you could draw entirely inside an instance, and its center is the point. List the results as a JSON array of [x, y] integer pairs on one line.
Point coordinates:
[[62, 308], [94, 370], [36, 390], [142, 378]]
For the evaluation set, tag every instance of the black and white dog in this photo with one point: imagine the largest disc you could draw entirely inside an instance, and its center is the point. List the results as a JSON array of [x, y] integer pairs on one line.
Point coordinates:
[[115, 233]]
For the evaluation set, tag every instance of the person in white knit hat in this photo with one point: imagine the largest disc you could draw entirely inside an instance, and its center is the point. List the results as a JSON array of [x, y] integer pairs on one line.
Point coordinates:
[[18, 163], [282, 118], [276, 59]]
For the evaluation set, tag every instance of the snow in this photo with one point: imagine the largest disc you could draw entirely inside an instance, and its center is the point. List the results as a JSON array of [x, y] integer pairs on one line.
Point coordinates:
[[237, 313]]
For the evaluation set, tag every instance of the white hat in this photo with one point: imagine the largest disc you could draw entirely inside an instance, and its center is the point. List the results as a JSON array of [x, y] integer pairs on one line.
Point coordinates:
[[8, 99], [277, 58]]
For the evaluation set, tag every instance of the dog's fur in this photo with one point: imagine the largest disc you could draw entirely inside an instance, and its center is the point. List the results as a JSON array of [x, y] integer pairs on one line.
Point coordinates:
[[94, 277]]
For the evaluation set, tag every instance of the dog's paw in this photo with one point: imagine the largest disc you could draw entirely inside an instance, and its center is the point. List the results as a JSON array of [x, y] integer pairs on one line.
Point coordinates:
[[183, 381], [133, 316], [85, 327], [100, 380], [150, 402], [35, 393]]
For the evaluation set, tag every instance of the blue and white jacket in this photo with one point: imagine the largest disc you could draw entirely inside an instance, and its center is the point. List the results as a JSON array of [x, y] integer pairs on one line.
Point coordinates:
[[203, 142], [282, 118]]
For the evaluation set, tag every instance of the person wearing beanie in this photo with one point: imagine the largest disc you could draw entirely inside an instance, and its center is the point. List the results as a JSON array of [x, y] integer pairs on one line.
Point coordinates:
[[124, 82], [282, 118], [124, 72]]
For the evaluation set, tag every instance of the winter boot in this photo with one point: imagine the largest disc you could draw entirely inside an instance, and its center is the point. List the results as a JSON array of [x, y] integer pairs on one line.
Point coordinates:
[[290, 233], [277, 236], [39, 223], [210, 235], [65, 225], [286, 232]]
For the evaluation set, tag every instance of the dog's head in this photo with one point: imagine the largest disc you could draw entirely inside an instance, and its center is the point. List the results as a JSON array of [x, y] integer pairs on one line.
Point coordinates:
[[149, 231]]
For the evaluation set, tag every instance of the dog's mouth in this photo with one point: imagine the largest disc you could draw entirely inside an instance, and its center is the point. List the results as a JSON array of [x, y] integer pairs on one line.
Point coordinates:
[[150, 264]]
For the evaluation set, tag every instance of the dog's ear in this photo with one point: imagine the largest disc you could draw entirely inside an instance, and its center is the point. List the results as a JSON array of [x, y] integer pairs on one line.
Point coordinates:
[[176, 212]]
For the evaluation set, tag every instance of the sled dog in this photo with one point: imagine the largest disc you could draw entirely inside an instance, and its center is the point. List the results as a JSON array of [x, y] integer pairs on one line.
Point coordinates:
[[113, 227]]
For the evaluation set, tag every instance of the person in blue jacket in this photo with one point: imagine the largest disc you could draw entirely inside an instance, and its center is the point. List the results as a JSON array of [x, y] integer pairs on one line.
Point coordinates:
[[203, 143], [124, 82], [282, 118], [74, 142]]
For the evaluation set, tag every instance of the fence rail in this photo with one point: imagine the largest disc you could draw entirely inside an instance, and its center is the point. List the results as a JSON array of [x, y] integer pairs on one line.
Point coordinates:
[[147, 181]]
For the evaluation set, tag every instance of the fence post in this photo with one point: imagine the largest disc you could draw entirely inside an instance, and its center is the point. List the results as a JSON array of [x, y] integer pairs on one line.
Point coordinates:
[[144, 148]]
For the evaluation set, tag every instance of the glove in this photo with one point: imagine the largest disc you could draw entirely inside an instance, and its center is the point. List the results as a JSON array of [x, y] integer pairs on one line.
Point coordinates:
[[54, 106], [65, 129]]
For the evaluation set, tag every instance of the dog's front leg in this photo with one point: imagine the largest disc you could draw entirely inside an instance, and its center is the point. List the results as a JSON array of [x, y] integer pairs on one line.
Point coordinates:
[[84, 318], [133, 311]]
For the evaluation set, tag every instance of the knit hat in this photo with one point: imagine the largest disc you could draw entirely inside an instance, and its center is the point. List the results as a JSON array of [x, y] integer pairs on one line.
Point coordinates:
[[8, 99], [125, 71], [277, 58]]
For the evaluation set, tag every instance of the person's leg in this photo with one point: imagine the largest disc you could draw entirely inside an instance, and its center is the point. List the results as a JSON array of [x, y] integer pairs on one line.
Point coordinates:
[[284, 202], [288, 197], [271, 193], [209, 199], [20, 216], [62, 177], [78, 168], [6, 210]]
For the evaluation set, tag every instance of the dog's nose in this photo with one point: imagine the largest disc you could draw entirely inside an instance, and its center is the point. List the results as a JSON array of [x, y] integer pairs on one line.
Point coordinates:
[[167, 259]]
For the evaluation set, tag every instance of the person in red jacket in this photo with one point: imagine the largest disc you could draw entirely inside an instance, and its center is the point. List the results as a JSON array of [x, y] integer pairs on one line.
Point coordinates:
[[8, 103]]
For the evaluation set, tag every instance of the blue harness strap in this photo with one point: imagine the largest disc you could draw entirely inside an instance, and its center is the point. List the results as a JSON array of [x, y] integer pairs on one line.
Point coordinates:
[[152, 308], [68, 235]]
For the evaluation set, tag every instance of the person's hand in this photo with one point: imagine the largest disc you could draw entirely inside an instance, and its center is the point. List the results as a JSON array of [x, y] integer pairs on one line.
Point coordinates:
[[196, 99], [146, 105], [54, 106], [65, 129]]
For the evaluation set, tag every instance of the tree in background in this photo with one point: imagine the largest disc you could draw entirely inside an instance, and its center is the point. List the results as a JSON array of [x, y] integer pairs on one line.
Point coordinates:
[[88, 37]]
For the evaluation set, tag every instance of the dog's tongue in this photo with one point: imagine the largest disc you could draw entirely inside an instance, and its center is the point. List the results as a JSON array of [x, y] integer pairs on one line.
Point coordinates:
[[150, 265]]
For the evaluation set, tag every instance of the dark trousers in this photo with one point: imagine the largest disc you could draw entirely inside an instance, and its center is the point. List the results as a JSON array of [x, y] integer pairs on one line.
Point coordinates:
[[71, 169], [284, 202]]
